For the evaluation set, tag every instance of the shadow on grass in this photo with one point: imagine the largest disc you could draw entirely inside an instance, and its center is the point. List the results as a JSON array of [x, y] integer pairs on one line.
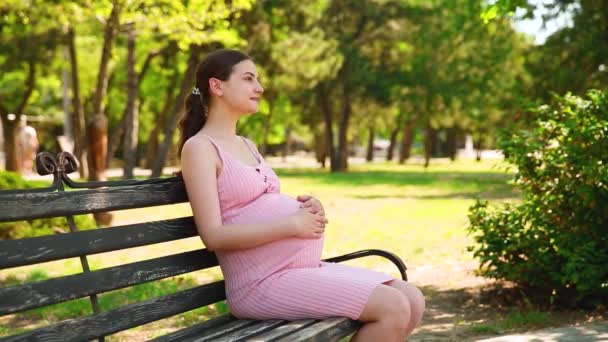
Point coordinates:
[[473, 313]]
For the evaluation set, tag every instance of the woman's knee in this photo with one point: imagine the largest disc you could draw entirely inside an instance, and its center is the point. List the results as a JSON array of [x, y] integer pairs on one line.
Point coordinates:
[[416, 298], [398, 314], [388, 306], [413, 294]]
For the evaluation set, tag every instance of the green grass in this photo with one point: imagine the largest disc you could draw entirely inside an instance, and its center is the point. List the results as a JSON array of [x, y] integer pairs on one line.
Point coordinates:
[[421, 215], [514, 321]]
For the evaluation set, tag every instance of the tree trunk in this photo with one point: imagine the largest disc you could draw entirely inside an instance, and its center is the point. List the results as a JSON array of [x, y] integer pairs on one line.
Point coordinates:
[[11, 161], [117, 134], [478, 144], [320, 144], [178, 108], [452, 142], [68, 131], [369, 156], [406, 141], [342, 157], [429, 143], [98, 127], [152, 146], [323, 99], [30, 83], [393, 141], [153, 138], [115, 138], [78, 120], [131, 114]]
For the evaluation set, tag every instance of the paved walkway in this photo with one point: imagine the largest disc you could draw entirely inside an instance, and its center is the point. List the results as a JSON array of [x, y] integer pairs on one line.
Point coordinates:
[[597, 331]]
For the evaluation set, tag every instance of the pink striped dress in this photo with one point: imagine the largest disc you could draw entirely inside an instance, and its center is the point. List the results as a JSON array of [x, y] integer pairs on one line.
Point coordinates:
[[283, 279]]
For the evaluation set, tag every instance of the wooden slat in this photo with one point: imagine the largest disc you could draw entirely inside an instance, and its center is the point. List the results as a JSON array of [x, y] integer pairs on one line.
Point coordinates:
[[192, 332], [330, 329], [214, 334], [28, 206], [28, 296], [250, 331], [21, 252], [106, 323], [283, 330]]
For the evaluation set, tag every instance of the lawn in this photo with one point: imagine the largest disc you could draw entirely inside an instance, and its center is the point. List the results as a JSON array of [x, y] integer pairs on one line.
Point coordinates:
[[421, 215]]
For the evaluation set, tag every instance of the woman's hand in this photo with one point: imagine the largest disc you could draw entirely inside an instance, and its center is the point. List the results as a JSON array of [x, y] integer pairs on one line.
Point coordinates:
[[312, 203], [306, 225]]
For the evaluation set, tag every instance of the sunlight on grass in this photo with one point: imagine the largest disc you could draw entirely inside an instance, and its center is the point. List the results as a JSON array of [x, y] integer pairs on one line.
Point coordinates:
[[421, 215]]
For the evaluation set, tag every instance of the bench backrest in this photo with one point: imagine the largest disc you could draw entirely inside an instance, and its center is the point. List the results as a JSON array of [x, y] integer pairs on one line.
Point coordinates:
[[97, 197]]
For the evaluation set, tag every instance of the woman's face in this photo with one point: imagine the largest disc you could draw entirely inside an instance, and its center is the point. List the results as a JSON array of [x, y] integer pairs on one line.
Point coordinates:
[[242, 91]]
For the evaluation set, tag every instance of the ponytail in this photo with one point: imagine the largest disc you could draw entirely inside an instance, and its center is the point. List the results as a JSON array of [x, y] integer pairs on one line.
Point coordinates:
[[195, 115]]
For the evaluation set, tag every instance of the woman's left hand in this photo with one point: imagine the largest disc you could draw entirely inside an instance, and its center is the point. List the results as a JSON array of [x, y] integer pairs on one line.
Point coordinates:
[[312, 203]]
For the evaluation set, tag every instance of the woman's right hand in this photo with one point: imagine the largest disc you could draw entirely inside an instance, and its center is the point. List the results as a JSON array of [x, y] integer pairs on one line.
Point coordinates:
[[306, 225]]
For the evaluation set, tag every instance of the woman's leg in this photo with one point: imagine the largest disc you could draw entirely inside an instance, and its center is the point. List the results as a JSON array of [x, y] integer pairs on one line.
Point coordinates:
[[415, 298], [385, 317]]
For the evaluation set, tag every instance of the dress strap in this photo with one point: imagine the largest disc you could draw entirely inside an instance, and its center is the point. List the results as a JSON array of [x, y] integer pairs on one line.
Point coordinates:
[[217, 147], [253, 149]]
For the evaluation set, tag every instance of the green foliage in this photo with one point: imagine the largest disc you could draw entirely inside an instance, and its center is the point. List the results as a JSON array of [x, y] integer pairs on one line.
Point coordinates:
[[40, 227], [556, 238], [11, 180], [502, 7]]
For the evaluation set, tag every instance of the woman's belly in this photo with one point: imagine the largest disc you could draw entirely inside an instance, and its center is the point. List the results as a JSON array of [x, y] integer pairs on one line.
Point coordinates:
[[266, 208], [249, 266]]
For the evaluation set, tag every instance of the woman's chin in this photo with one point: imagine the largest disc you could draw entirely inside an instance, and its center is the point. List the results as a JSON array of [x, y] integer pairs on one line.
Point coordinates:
[[252, 110]]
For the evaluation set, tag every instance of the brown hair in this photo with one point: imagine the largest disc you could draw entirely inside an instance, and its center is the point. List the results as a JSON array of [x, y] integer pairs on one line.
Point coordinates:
[[218, 64]]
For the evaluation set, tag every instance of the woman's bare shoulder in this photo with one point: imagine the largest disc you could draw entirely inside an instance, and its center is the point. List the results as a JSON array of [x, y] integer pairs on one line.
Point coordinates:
[[198, 149]]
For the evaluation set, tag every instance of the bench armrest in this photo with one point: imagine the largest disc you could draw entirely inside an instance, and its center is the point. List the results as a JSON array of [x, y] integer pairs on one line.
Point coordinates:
[[367, 252]]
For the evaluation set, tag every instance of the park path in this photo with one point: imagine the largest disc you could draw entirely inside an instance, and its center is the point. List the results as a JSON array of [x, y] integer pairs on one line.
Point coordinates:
[[590, 332]]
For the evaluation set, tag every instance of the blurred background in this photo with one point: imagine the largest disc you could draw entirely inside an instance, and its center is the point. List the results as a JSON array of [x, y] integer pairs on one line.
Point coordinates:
[[386, 79], [406, 118]]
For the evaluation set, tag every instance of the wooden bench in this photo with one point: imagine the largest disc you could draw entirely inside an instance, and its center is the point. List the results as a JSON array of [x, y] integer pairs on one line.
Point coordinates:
[[95, 197]]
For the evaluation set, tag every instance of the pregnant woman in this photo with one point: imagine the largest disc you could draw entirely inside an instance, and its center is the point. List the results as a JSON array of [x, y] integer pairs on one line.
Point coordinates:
[[269, 244]]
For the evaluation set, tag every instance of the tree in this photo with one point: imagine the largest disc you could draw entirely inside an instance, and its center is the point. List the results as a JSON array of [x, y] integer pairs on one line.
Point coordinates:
[[26, 52], [573, 58]]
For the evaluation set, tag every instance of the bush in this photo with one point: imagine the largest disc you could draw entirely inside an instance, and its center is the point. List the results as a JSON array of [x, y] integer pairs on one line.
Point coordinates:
[[31, 228], [11, 180], [557, 238]]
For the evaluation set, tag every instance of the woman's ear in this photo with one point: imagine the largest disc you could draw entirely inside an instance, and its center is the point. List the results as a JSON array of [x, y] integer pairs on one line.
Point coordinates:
[[215, 87]]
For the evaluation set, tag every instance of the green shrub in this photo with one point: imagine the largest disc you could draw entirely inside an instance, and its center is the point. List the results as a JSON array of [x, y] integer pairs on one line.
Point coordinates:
[[11, 180], [31, 228], [557, 238]]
